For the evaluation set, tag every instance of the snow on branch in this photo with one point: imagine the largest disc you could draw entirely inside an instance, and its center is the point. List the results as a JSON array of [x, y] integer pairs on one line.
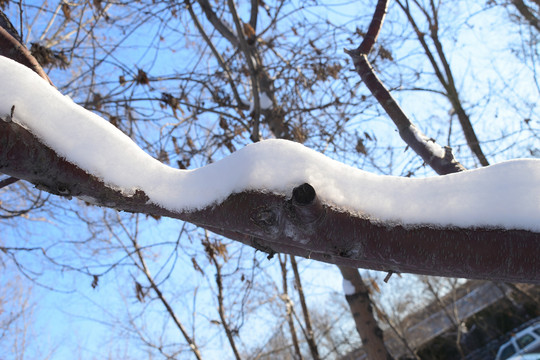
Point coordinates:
[[279, 196]]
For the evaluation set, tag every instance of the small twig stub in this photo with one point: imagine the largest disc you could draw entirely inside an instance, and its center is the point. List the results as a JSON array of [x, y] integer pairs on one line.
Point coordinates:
[[9, 117]]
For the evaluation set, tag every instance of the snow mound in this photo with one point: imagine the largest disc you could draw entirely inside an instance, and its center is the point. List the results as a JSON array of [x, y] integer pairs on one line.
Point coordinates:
[[504, 195]]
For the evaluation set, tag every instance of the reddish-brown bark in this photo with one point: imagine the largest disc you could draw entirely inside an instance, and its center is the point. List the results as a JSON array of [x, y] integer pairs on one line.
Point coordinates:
[[298, 224]]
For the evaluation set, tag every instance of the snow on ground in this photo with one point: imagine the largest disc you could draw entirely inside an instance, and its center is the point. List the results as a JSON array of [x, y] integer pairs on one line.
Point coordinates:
[[503, 195]]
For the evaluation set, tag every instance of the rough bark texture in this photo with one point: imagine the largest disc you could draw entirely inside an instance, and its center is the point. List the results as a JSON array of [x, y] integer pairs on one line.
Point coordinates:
[[366, 325], [299, 225]]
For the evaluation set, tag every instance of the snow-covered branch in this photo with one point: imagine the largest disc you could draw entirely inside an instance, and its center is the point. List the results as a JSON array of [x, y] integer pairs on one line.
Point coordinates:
[[279, 196]]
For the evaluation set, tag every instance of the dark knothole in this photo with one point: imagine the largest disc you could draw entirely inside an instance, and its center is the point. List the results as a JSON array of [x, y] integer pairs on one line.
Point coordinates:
[[306, 206], [304, 194]]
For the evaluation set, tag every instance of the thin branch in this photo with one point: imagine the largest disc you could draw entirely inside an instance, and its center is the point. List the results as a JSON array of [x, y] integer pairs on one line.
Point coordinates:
[[289, 307], [527, 14], [221, 307], [220, 26], [217, 55], [8, 181], [447, 82], [253, 71], [360, 304], [11, 47], [310, 336], [441, 160], [374, 28], [168, 307], [254, 14]]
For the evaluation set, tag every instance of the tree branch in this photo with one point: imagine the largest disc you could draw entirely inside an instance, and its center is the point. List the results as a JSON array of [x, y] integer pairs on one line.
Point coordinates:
[[217, 55], [12, 48], [440, 159], [253, 71], [366, 325], [289, 307], [374, 28], [310, 335], [526, 13], [191, 342], [301, 224], [6, 182], [220, 26], [270, 223], [447, 82]]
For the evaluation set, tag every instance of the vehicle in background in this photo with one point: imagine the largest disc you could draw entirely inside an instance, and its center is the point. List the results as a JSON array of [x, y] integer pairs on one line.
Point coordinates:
[[524, 345]]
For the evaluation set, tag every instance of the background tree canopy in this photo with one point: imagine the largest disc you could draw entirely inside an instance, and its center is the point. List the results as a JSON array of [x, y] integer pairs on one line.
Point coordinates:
[[193, 82]]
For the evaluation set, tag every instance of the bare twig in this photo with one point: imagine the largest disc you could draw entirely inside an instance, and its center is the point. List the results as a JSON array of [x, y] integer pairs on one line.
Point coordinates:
[[446, 80], [218, 56], [253, 65], [221, 307], [310, 336], [193, 346], [288, 306]]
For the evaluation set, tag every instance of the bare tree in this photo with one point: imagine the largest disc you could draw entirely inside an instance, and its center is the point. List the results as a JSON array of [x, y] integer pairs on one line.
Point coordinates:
[[75, 181], [262, 77]]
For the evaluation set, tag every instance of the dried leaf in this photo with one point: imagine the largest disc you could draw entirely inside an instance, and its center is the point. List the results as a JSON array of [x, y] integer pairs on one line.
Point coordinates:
[[142, 77], [385, 54], [139, 292], [223, 123], [190, 143], [196, 265], [47, 56], [155, 217], [251, 37], [374, 285], [66, 10], [229, 145], [97, 4], [360, 147], [115, 120], [95, 281], [176, 147], [163, 156], [299, 134], [181, 165]]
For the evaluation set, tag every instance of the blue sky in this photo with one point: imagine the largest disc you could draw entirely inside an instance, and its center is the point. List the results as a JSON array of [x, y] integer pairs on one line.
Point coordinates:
[[76, 320]]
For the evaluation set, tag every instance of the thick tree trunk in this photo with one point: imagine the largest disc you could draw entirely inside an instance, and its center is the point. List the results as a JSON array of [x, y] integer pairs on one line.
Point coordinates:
[[366, 324]]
